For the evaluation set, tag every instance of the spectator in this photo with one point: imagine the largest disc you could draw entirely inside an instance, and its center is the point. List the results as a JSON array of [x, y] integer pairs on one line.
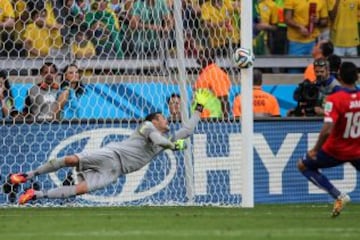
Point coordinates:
[[212, 77], [7, 15], [218, 18], [37, 36], [6, 98], [322, 49], [115, 6], [71, 90], [334, 65], [125, 34], [53, 25], [82, 47], [303, 29], [82, 7], [264, 104], [258, 34], [267, 11], [191, 11], [193, 33], [151, 23], [327, 83], [122, 9], [21, 20], [7, 23], [344, 27], [311, 95], [174, 104], [67, 16], [105, 30], [40, 102], [279, 42], [107, 6]]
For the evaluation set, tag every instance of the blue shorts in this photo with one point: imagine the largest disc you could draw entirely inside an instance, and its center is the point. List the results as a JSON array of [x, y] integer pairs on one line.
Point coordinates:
[[300, 49], [323, 160]]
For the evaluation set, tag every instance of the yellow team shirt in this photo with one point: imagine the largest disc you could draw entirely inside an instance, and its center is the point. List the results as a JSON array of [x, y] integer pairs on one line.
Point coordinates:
[[264, 104], [300, 10], [55, 35], [81, 52], [39, 37], [113, 14], [344, 30], [219, 36], [268, 11], [6, 10], [19, 9]]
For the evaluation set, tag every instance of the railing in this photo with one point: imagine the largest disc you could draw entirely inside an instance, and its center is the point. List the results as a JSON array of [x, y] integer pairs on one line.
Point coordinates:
[[29, 64]]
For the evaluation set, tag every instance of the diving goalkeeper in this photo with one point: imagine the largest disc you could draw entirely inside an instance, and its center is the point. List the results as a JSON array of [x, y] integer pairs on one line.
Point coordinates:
[[100, 167]]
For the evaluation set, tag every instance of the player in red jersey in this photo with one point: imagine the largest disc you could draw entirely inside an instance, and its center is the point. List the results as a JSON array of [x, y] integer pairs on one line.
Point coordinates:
[[339, 138]]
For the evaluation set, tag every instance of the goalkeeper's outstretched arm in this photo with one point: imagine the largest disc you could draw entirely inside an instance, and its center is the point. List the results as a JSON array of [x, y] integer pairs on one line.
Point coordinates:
[[188, 128], [166, 143], [200, 99], [162, 141]]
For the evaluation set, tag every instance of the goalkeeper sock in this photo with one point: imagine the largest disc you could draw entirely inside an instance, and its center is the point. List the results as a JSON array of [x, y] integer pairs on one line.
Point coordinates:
[[321, 181], [60, 192], [50, 166]]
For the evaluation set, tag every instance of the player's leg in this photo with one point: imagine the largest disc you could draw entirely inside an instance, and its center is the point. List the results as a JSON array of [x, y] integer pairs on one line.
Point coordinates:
[[96, 169], [310, 169], [89, 181], [50, 166], [60, 192]]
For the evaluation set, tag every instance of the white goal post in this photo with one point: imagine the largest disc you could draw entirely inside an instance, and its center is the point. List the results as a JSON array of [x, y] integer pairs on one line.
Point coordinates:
[[247, 129]]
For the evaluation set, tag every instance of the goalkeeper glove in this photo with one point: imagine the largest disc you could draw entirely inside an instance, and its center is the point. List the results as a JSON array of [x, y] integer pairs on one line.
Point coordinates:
[[202, 97], [180, 144]]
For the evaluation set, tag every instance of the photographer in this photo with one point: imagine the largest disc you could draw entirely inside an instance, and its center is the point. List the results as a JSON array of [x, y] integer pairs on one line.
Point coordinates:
[[310, 96]]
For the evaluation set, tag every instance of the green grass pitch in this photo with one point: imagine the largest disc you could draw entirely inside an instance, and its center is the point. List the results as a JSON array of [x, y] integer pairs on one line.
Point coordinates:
[[288, 222]]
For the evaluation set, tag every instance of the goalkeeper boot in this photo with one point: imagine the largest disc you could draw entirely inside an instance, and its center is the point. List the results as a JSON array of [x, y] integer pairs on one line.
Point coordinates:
[[18, 178], [339, 204], [27, 196]]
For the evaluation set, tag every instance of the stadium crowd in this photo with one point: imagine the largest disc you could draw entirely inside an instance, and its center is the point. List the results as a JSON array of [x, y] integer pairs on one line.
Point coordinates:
[[126, 28]]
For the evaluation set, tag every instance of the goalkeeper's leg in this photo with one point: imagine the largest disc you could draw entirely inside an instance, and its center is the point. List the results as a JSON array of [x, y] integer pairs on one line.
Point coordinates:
[[50, 166], [95, 172], [60, 192]]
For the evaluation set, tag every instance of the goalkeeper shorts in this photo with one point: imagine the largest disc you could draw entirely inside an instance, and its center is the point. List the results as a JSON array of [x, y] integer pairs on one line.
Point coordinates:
[[98, 168]]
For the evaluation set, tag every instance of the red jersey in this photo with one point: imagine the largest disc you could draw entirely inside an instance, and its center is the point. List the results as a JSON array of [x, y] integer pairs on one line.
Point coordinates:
[[343, 109]]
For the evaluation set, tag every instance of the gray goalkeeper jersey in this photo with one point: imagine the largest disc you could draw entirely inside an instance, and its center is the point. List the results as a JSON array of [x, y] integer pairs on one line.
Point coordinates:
[[146, 142]]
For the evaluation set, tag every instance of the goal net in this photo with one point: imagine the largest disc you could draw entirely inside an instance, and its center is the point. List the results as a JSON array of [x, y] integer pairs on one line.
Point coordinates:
[[134, 59]]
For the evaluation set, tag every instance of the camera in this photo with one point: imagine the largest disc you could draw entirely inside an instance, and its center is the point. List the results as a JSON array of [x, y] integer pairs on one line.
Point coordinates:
[[306, 94]]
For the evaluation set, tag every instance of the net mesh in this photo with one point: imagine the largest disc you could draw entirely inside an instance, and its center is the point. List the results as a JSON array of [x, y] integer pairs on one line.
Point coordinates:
[[127, 61], [124, 57]]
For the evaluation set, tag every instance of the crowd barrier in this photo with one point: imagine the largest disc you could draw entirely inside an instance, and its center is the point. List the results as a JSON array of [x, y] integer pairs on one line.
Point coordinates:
[[126, 100]]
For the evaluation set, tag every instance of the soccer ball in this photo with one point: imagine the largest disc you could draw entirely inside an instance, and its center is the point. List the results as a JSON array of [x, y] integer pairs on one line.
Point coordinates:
[[243, 58]]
